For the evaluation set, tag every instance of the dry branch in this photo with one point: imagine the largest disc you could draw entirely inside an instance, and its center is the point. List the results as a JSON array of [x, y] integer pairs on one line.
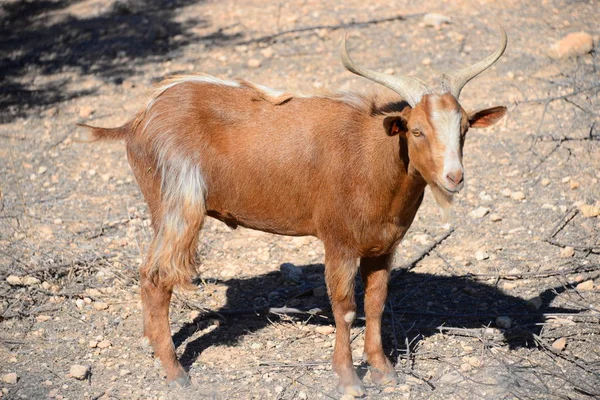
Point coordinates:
[[425, 252]]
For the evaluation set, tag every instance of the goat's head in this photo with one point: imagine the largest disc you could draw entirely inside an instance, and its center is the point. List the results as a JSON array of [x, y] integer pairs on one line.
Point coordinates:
[[435, 125]]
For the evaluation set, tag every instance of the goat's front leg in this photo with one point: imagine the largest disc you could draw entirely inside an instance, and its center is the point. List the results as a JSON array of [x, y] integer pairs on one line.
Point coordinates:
[[375, 274], [340, 272]]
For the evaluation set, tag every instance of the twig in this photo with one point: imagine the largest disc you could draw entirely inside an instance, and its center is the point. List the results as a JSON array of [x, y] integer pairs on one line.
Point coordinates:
[[425, 252], [564, 96], [352, 24], [545, 274], [560, 225]]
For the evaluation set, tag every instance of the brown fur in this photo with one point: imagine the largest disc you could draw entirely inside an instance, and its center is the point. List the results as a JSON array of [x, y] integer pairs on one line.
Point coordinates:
[[344, 169]]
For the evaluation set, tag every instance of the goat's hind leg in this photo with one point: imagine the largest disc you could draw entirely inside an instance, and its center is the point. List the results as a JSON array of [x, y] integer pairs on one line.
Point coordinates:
[[156, 298], [177, 217], [171, 261]]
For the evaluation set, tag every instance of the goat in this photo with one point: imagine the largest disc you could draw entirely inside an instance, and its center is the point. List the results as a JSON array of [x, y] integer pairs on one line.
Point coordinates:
[[349, 169]]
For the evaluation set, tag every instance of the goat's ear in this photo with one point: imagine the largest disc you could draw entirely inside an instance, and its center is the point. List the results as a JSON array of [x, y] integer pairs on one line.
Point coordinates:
[[394, 125], [487, 117]]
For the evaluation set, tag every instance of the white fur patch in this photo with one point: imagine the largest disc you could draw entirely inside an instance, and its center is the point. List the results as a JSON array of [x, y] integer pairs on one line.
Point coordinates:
[[447, 126], [349, 317]]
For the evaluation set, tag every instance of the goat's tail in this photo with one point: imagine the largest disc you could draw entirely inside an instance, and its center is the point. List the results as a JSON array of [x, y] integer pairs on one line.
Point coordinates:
[[95, 133]]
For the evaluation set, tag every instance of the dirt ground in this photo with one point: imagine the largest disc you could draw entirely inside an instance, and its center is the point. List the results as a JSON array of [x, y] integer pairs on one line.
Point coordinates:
[[502, 302]]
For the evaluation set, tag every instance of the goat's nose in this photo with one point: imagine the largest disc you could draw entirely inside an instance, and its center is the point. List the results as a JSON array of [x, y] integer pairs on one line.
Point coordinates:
[[456, 177]]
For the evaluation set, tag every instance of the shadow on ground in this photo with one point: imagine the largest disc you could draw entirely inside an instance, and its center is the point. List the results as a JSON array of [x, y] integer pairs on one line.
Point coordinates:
[[42, 38], [417, 305]]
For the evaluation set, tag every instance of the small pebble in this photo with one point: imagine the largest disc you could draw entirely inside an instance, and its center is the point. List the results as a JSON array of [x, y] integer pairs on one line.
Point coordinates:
[[567, 252], [585, 286], [14, 280], [559, 344], [325, 329], [545, 182], [79, 371], [103, 344], [479, 212], [481, 255], [30, 280], [589, 210], [254, 63], [495, 218], [518, 196], [10, 378], [99, 305]]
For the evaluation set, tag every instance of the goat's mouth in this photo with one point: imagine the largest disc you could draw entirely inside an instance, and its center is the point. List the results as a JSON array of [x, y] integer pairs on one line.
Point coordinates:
[[450, 191]]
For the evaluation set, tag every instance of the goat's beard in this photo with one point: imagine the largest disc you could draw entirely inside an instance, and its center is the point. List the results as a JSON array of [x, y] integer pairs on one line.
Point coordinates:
[[443, 199]]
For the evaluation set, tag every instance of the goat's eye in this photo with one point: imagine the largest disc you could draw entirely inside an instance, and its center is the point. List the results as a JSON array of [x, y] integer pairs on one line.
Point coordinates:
[[416, 132]]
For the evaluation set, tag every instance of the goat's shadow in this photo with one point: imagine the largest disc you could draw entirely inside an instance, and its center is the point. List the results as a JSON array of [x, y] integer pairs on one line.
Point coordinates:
[[417, 305]]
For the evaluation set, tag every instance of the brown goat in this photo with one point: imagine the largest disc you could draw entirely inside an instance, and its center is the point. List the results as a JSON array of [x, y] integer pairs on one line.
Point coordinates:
[[348, 169]]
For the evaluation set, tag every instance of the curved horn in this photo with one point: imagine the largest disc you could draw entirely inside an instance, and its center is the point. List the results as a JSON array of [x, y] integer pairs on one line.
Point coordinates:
[[410, 89], [453, 82]]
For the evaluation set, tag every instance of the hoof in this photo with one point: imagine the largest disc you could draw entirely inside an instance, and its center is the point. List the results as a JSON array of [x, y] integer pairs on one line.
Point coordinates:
[[180, 381], [355, 389], [382, 378]]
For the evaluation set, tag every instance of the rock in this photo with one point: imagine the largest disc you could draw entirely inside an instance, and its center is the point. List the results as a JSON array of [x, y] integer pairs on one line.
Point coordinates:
[[545, 182], [302, 395], [290, 273], [451, 378], [517, 196], [30, 280], [124, 372], [99, 305], [422, 238], [325, 329], [267, 53], [103, 344], [559, 344], [472, 361], [479, 212], [495, 218], [481, 255], [506, 192], [79, 371], [435, 20], [42, 170], [573, 44], [585, 286], [574, 185], [589, 211], [426, 61], [567, 252], [14, 280], [535, 302], [92, 344], [254, 63], [79, 303], [10, 378], [43, 318], [86, 111], [503, 322], [347, 397]]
